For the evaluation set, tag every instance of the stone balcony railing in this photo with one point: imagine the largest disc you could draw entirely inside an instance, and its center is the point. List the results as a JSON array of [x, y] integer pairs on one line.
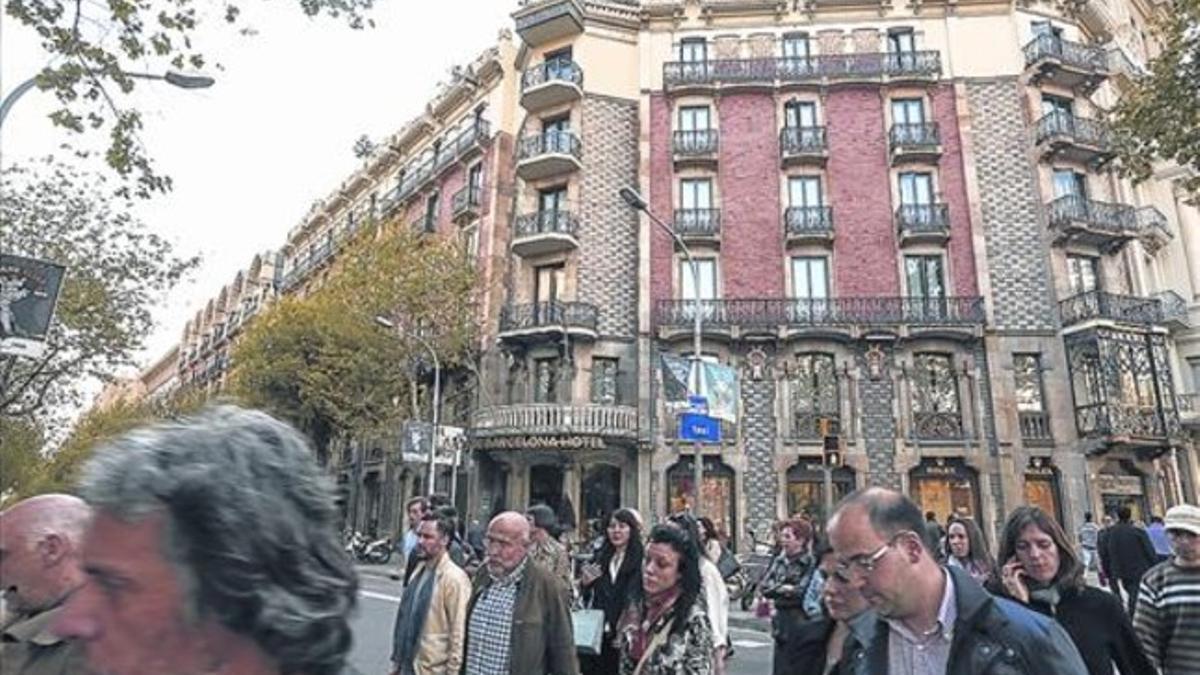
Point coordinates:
[[1035, 427], [550, 419]]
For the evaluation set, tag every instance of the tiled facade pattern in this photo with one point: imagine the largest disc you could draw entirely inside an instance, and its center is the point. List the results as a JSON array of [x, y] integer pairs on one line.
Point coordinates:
[[758, 444], [876, 397]]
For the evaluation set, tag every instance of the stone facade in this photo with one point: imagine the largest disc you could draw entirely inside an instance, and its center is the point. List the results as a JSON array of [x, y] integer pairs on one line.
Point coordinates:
[[758, 427]]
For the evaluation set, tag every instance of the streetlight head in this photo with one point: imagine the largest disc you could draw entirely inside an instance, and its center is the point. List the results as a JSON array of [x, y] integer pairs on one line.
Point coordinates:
[[188, 81], [632, 198], [384, 321]]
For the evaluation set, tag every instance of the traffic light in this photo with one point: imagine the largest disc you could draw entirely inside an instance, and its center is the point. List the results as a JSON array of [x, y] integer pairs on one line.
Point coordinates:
[[831, 443]]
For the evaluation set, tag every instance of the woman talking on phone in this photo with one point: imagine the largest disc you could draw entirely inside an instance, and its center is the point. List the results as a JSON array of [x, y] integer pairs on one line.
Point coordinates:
[[608, 582], [1043, 572]]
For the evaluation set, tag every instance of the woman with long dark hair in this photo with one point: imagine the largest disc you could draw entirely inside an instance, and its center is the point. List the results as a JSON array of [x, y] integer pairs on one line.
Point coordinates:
[[608, 582], [665, 630], [966, 548], [1041, 570]]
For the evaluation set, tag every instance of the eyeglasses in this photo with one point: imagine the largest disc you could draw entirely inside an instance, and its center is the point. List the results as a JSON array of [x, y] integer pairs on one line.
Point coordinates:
[[863, 565]]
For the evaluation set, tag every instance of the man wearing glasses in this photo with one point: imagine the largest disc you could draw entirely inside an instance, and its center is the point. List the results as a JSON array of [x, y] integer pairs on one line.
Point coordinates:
[[928, 613]]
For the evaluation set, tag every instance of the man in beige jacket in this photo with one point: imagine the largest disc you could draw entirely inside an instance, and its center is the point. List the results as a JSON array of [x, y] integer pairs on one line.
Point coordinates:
[[432, 617]]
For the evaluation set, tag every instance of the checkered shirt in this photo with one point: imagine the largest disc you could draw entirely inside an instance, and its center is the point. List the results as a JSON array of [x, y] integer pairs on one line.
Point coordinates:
[[489, 628]]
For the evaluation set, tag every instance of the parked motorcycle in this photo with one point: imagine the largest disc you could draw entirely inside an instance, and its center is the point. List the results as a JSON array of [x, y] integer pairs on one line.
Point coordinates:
[[744, 586], [356, 543], [378, 552]]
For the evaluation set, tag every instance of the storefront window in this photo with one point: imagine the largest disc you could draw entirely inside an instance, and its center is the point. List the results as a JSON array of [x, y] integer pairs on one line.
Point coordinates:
[[806, 488], [947, 487], [716, 493], [1041, 487], [601, 491]]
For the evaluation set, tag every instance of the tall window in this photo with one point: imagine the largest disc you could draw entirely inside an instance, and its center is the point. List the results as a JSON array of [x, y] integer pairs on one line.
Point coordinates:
[[1057, 105], [1027, 371], [1083, 273], [799, 114], [1194, 368], [804, 191], [924, 276], [814, 393], [548, 282], [695, 118], [908, 111], [695, 193], [706, 289], [545, 380], [1068, 183], [796, 46], [1046, 29], [693, 50], [475, 182], [810, 287], [551, 203], [604, 381], [470, 240], [935, 397], [429, 223], [916, 189], [554, 134], [901, 47], [558, 63]]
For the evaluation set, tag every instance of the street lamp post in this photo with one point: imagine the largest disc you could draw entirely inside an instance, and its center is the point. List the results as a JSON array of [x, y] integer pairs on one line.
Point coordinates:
[[170, 77], [437, 396], [695, 377]]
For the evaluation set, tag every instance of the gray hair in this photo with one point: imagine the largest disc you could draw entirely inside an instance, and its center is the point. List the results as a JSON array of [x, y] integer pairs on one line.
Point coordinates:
[[251, 527]]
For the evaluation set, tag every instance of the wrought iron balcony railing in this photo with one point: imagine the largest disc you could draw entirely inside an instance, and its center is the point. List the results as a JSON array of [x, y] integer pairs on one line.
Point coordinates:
[[776, 312], [938, 426], [867, 65], [557, 221], [806, 424], [1174, 308], [1035, 427], [554, 314], [802, 140], [1115, 219], [909, 135], [1120, 419], [552, 419], [923, 218], [465, 200], [555, 70], [416, 177], [803, 221], [1079, 130], [549, 142], [1101, 305], [698, 222], [1073, 54], [696, 142]]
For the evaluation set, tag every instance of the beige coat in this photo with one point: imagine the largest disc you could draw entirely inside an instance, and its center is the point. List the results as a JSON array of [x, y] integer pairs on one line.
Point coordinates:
[[440, 647]]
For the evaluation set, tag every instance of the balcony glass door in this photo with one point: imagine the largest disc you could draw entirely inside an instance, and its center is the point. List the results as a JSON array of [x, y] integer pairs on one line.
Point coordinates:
[[1068, 183], [693, 53], [797, 54], [908, 111], [695, 205], [800, 114], [926, 286], [916, 189], [804, 191], [902, 48], [558, 64], [549, 281], [1083, 274], [551, 203], [705, 290], [556, 134], [810, 288], [694, 118]]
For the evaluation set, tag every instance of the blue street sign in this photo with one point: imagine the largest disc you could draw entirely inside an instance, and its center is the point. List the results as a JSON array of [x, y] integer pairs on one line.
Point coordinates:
[[697, 428], [698, 403]]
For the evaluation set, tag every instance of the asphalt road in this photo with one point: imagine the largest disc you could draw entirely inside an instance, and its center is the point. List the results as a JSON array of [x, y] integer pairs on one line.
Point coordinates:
[[379, 597]]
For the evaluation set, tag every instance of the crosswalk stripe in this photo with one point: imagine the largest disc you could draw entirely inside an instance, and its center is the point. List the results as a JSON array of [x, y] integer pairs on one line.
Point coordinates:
[[379, 596]]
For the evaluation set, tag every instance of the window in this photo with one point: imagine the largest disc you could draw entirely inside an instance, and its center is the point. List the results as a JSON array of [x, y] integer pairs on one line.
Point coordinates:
[[1068, 183], [935, 397], [694, 118], [1083, 273], [555, 134], [548, 282], [796, 46], [799, 114], [545, 380], [429, 223], [908, 111], [901, 47], [604, 381], [475, 182], [693, 50], [916, 189], [470, 240], [924, 276], [804, 191], [814, 393], [707, 288], [1027, 371], [374, 204], [1046, 29], [695, 193], [1194, 369], [1057, 105], [437, 150], [552, 204]]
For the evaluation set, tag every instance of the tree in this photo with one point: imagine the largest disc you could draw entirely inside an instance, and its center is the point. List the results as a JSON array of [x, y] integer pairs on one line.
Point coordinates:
[[116, 272], [20, 458], [1160, 118], [324, 363], [89, 74]]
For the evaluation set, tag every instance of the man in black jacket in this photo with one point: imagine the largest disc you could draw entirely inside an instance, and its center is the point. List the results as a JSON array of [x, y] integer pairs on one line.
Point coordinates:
[[933, 620], [1130, 553]]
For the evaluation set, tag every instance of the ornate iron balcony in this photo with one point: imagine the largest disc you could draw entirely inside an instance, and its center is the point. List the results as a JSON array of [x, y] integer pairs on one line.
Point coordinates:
[[1035, 427], [922, 134], [549, 142], [795, 141], [938, 426], [554, 314], [465, 202], [1101, 223], [554, 70], [806, 425], [1119, 419], [1101, 305], [923, 220], [697, 142], [546, 222], [548, 419], [698, 222], [1079, 130], [808, 221], [1174, 309], [1073, 54], [777, 312], [868, 65], [464, 144]]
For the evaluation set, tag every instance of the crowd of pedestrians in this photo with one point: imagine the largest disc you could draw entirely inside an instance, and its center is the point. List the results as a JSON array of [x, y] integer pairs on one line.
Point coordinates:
[[209, 546]]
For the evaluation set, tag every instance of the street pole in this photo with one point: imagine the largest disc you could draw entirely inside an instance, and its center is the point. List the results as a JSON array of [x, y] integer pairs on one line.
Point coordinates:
[[170, 77], [695, 380], [828, 470], [437, 398]]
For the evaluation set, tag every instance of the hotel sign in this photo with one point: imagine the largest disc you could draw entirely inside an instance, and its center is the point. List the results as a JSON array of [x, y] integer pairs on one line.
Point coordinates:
[[541, 442]]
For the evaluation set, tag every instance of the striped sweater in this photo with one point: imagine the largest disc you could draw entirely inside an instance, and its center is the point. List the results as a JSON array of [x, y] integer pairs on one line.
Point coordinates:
[[1167, 620]]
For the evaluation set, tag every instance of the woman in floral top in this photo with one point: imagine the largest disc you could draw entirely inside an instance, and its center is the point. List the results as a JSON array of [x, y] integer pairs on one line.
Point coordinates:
[[665, 631]]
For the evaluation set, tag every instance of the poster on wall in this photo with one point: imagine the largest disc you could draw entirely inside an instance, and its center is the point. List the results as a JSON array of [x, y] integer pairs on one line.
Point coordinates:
[[719, 385]]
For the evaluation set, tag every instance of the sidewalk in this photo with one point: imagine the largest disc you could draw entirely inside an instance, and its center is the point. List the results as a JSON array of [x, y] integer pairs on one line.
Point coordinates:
[[737, 618]]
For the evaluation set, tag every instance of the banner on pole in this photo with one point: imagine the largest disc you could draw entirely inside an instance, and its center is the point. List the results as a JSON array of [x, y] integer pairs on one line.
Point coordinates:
[[29, 289]]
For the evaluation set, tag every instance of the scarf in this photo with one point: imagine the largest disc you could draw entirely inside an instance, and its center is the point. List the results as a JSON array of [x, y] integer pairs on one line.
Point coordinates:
[[649, 619], [410, 619]]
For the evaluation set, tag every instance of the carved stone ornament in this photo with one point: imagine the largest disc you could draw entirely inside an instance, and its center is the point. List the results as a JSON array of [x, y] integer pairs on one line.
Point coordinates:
[[875, 359], [756, 363]]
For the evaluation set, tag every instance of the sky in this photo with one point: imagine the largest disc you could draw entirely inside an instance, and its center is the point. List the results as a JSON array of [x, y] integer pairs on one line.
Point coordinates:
[[251, 154]]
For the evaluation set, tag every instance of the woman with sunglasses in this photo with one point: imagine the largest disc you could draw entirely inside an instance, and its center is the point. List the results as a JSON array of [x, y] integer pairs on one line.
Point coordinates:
[[1042, 571]]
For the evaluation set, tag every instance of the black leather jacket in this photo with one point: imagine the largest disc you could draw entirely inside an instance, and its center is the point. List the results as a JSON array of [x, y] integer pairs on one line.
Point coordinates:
[[991, 637]]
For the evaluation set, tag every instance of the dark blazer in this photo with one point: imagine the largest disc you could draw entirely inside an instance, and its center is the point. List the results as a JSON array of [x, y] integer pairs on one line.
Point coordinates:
[[992, 636], [614, 596], [542, 640], [1130, 552]]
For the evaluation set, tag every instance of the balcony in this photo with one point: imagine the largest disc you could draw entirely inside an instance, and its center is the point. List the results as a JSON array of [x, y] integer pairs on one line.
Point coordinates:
[[937, 426], [696, 147], [1066, 64], [698, 224], [1061, 136], [1188, 406], [952, 317], [542, 21], [468, 143], [679, 76], [1035, 428], [531, 426], [800, 146], [921, 142], [808, 225], [1174, 310], [1152, 228], [1122, 424], [548, 154], [1101, 306], [465, 204], [806, 425], [923, 223], [1106, 226], [545, 232], [548, 319], [555, 82]]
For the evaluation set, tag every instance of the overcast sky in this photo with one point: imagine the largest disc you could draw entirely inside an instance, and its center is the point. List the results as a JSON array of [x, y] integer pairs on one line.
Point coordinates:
[[251, 154]]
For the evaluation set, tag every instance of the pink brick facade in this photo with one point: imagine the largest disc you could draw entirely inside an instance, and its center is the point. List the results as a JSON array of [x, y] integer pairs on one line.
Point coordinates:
[[954, 192], [661, 174]]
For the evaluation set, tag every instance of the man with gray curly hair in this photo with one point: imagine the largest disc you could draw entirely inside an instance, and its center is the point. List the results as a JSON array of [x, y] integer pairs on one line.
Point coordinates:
[[213, 550]]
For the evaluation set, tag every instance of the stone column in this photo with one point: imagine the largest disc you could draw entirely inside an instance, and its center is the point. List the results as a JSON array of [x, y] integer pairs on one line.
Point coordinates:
[[876, 395], [758, 437]]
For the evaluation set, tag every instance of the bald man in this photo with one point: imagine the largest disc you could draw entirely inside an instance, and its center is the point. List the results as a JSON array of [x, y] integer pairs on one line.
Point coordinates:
[[40, 565], [518, 620]]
